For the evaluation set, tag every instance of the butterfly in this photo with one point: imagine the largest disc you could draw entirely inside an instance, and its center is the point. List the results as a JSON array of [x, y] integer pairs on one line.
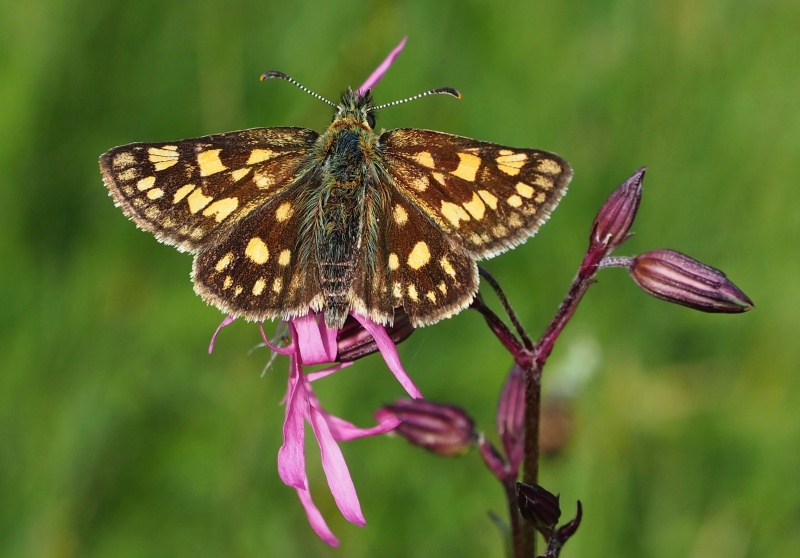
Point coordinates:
[[285, 221]]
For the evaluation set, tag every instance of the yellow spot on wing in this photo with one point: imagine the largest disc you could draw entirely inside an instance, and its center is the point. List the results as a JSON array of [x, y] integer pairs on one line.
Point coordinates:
[[489, 198], [284, 212], [447, 267], [257, 251], [238, 174], [511, 164], [182, 192], [412, 293], [419, 256], [209, 162], [543, 182], [424, 158], [220, 209], [198, 201], [420, 183], [430, 295], [146, 183], [259, 156], [224, 262], [123, 160], [400, 215], [475, 207], [263, 181], [258, 286], [467, 167], [454, 213], [155, 193], [163, 157], [285, 257], [438, 177], [514, 201], [128, 174], [277, 285], [394, 261], [397, 291], [524, 190], [549, 166], [227, 283], [442, 287]]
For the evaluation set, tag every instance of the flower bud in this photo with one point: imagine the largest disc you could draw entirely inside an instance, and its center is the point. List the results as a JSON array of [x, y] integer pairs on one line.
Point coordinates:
[[354, 342], [511, 416], [677, 278], [538, 506], [615, 218], [445, 430]]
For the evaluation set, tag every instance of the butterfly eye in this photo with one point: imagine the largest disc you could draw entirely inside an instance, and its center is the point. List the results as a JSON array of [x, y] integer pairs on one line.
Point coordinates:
[[371, 120]]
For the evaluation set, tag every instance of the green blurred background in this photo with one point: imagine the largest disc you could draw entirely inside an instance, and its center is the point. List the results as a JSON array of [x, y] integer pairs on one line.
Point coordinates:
[[121, 437]]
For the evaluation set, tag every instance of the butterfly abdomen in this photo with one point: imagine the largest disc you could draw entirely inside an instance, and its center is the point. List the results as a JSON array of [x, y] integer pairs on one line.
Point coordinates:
[[339, 223]]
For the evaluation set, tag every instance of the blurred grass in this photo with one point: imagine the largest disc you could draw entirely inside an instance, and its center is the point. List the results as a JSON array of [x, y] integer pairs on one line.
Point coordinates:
[[121, 437]]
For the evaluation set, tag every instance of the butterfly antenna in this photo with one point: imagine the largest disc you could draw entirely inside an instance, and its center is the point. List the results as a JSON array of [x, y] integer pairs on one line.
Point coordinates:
[[437, 91], [281, 75]]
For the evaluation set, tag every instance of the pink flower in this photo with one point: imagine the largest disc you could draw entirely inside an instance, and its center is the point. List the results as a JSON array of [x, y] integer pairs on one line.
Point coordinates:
[[313, 343]]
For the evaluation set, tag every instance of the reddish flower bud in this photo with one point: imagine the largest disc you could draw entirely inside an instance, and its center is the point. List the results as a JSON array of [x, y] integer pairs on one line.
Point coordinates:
[[677, 278], [511, 417], [538, 506], [445, 430], [354, 342], [615, 218]]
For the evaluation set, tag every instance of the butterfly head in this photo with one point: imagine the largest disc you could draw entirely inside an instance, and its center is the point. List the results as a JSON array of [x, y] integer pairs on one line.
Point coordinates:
[[356, 108]]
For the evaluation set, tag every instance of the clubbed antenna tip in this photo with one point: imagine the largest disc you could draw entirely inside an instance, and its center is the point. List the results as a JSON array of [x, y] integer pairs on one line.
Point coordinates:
[[280, 75]]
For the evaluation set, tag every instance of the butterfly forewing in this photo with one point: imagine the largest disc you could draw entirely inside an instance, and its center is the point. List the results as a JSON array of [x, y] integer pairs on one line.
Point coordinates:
[[192, 193], [485, 198]]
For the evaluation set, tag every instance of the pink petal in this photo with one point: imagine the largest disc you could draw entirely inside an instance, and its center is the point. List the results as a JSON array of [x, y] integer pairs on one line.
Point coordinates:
[[280, 350], [317, 343], [315, 518], [389, 352], [319, 374], [336, 471], [227, 321], [376, 76], [344, 431], [292, 455]]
